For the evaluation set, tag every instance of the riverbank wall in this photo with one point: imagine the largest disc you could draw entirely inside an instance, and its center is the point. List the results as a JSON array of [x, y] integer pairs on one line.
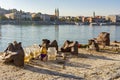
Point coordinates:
[[17, 22]]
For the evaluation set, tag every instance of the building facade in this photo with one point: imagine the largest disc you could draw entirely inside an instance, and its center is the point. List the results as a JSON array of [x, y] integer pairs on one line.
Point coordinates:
[[114, 18], [13, 16], [26, 16], [45, 17], [19, 16]]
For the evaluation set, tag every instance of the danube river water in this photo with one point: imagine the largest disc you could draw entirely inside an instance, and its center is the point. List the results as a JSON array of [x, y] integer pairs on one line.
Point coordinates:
[[33, 34]]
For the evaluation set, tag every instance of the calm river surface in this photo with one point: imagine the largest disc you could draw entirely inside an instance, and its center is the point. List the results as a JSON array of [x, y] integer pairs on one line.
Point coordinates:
[[33, 34]]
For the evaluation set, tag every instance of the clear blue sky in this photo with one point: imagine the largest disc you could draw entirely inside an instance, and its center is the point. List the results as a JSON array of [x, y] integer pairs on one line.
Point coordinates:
[[66, 7]]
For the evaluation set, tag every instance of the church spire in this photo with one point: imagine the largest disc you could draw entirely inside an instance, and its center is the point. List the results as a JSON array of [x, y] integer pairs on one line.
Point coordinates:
[[57, 12], [94, 14]]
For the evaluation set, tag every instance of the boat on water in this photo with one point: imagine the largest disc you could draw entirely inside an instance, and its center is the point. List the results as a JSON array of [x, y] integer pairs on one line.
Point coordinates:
[[94, 24], [78, 23], [103, 24]]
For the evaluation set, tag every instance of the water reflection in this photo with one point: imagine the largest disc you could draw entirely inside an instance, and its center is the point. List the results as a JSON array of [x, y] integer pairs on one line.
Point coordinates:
[[0, 32], [91, 31], [32, 34], [113, 32], [21, 32], [57, 32], [117, 33], [0, 36]]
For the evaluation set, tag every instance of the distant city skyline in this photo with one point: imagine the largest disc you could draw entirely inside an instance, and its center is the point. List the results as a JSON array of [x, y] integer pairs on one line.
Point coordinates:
[[66, 7]]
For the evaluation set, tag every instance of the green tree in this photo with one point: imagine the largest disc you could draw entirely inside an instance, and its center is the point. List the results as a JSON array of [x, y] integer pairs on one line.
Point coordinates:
[[76, 19], [62, 19], [36, 19]]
